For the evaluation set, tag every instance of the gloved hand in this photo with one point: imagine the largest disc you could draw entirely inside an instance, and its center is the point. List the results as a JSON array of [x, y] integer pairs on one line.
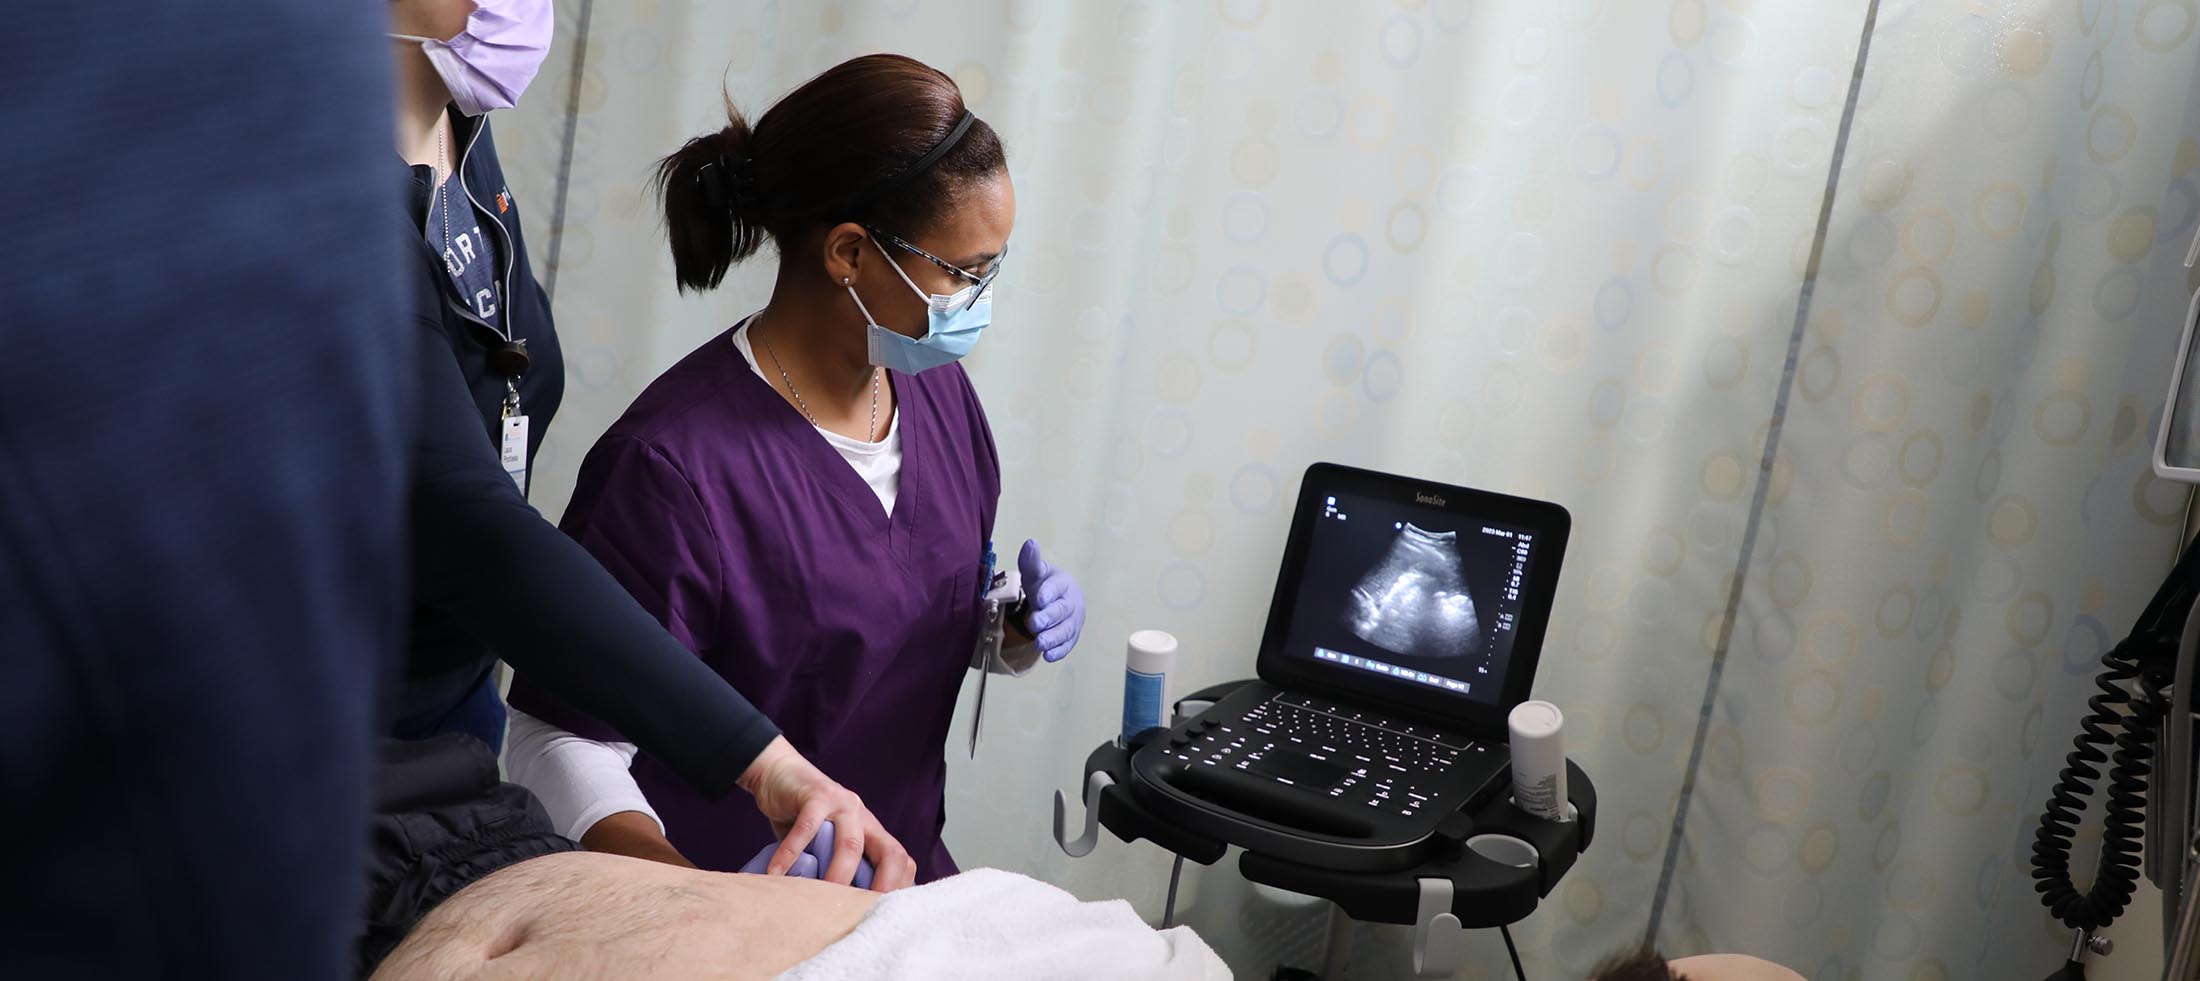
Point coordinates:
[[1057, 604], [813, 861], [798, 798]]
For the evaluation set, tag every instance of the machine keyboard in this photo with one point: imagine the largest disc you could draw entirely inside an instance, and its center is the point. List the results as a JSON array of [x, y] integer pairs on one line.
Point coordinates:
[[1335, 750], [1363, 736]]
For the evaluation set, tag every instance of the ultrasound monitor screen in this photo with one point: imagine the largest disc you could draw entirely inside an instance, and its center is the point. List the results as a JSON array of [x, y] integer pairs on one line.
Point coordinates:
[[1411, 593]]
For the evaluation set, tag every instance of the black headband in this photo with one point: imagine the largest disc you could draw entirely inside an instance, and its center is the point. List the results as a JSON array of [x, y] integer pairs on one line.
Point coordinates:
[[920, 165]]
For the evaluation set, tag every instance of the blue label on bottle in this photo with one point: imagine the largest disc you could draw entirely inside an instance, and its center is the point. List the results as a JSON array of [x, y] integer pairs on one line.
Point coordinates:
[[1142, 694]]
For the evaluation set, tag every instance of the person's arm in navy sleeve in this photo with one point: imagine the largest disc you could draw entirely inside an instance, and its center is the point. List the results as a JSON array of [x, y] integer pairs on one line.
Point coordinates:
[[485, 556]]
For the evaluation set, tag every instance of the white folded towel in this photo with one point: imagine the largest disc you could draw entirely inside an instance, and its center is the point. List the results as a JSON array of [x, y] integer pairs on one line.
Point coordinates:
[[989, 924]]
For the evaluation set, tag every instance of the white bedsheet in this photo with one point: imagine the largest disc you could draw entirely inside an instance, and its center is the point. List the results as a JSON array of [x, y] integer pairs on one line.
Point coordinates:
[[989, 924]]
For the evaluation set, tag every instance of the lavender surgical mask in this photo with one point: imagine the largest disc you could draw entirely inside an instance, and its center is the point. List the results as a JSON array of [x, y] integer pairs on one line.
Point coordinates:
[[491, 61]]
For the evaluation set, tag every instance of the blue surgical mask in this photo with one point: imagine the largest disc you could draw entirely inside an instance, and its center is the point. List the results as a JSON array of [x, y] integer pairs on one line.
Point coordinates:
[[953, 325]]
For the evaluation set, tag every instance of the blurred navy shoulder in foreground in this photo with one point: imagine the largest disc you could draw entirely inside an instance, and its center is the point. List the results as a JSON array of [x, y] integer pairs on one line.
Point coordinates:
[[204, 424]]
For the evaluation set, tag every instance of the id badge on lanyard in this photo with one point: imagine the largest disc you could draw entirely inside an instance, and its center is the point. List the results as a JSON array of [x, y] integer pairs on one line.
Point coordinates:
[[513, 446]]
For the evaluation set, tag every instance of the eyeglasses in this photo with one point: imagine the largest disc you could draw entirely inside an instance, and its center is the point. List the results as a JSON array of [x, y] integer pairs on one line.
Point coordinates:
[[983, 281]]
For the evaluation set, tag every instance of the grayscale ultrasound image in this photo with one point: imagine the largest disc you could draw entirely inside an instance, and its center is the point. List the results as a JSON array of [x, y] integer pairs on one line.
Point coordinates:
[[1415, 600]]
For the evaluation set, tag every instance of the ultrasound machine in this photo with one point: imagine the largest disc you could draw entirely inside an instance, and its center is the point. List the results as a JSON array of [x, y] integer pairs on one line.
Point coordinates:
[[1367, 763]]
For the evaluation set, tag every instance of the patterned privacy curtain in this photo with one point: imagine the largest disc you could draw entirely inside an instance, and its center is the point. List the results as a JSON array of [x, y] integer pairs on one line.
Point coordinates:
[[1839, 327]]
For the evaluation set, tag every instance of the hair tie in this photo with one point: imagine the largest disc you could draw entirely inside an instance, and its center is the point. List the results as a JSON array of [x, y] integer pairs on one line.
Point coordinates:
[[728, 183]]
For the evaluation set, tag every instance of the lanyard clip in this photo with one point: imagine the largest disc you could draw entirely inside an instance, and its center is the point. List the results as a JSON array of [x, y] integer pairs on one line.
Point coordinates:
[[511, 398]]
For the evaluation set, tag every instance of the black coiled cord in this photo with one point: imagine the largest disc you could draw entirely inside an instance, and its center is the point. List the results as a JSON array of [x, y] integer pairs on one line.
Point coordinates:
[[2115, 717]]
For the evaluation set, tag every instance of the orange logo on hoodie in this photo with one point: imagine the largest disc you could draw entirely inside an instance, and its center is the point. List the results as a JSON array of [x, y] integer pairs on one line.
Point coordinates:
[[504, 202]]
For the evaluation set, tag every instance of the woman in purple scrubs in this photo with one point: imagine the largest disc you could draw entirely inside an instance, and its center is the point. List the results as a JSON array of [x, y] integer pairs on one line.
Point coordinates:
[[808, 499]]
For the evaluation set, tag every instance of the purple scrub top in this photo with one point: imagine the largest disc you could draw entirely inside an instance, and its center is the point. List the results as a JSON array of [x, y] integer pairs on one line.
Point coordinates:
[[731, 519]]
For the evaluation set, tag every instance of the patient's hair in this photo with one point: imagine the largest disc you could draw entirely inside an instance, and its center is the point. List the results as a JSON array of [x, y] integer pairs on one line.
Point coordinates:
[[1645, 964], [836, 149]]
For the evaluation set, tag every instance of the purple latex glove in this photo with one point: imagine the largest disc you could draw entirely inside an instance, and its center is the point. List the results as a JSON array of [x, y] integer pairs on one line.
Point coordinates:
[[1057, 604], [813, 861]]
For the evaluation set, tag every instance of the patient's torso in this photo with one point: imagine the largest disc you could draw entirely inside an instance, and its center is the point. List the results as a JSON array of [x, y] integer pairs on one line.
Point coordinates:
[[585, 915]]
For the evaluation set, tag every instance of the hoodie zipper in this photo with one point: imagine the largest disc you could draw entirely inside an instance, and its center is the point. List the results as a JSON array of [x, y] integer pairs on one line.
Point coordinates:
[[504, 280], [504, 235], [511, 261]]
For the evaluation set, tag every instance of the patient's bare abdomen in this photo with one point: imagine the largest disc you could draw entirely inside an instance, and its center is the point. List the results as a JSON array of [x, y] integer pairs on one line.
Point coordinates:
[[1415, 600]]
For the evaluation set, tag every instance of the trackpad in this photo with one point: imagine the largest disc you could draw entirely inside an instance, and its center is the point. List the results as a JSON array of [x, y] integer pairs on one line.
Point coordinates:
[[1298, 769]]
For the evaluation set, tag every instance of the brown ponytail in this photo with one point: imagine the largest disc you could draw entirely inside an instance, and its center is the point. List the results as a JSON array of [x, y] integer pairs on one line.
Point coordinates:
[[813, 160], [709, 192]]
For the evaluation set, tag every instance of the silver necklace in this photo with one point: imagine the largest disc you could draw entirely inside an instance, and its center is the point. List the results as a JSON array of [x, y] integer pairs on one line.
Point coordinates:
[[869, 435]]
